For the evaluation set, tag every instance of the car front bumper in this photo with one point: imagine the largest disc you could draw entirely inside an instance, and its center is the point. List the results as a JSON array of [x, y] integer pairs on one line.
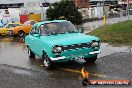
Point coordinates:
[[95, 52], [73, 57], [58, 58], [10, 32]]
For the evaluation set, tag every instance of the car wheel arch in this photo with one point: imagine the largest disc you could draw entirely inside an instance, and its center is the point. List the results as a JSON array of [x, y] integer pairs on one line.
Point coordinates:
[[21, 31], [43, 52]]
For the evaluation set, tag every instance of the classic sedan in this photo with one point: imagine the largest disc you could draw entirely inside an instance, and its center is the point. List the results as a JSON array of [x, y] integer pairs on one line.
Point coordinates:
[[23, 29], [4, 30], [60, 41]]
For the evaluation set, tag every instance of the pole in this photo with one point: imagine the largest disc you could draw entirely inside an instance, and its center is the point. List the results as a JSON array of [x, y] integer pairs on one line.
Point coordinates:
[[104, 16], [42, 10], [128, 9]]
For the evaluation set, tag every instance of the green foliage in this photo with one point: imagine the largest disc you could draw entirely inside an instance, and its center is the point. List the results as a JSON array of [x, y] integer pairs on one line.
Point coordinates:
[[64, 9], [115, 33]]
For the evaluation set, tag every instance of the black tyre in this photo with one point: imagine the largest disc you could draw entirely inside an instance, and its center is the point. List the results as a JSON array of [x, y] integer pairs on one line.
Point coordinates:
[[21, 33], [31, 54], [90, 60], [47, 62]]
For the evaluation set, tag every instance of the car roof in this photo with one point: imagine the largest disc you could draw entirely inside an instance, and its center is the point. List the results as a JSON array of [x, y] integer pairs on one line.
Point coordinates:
[[44, 22]]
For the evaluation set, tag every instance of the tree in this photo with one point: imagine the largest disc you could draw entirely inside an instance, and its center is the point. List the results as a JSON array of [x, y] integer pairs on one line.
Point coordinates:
[[64, 9]]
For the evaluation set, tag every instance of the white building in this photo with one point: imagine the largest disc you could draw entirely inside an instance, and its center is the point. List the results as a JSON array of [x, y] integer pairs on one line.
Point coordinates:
[[26, 6]]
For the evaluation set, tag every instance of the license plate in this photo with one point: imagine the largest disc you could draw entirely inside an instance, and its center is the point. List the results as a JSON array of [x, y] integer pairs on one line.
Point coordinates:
[[79, 57]]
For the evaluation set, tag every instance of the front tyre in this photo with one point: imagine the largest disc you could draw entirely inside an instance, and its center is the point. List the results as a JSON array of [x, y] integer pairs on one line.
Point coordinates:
[[21, 33], [31, 54], [91, 60], [47, 62]]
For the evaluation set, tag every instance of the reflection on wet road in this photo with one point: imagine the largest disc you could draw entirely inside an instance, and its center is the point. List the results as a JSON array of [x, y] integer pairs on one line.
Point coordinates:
[[13, 52]]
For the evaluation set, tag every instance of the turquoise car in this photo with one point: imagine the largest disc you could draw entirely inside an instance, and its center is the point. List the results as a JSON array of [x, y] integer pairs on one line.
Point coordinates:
[[60, 41]]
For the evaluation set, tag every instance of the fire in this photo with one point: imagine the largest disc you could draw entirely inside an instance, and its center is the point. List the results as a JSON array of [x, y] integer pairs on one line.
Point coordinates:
[[85, 74], [86, 81]]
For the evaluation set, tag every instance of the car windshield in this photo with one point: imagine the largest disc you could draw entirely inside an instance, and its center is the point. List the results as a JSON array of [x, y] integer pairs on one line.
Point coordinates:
[[11, 25], [58, 28], [29, 23]]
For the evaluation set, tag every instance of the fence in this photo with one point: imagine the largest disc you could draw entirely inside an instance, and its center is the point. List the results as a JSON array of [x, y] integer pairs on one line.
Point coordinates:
[[89, 26]]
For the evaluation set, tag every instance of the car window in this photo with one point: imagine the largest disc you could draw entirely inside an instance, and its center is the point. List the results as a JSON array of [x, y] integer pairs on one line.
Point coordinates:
[[52, 28], [26, 23], [36, 30], [32, 22], [6, 26], [32, 31], [29, 23], [11, 25], [57, 28]]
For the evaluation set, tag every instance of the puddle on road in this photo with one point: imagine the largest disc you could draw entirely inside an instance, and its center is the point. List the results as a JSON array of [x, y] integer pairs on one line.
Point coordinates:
[[107, 49]]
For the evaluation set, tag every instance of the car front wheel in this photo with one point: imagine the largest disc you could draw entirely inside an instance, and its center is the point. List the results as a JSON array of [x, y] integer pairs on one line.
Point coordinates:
[[31, 54], [47, 62], [21, 33], [90, 60]]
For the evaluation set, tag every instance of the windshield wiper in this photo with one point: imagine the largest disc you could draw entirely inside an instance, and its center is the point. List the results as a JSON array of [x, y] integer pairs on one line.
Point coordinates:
[[72, 31]]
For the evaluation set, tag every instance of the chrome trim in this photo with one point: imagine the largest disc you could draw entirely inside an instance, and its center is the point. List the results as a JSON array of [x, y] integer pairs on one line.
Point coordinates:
[[58, 58], [95, 52]]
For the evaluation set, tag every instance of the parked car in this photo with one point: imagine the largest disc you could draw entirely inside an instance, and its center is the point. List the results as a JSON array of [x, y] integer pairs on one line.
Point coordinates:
[[59, 41], [23, 29], [3, 31]]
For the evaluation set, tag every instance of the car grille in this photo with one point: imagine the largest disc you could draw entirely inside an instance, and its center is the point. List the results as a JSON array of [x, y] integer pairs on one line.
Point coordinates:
[[76, 46]]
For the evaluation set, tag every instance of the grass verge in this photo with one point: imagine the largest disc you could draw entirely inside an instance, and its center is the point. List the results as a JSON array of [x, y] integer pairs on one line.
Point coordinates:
[[115, 33]]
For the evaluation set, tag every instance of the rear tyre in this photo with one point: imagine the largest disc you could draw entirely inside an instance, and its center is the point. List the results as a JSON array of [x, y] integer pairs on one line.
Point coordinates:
[[21, 33], [47, 62], [91, 60], [31, 54]]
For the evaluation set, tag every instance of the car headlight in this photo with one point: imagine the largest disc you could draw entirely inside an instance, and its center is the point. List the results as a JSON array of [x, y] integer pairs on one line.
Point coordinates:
[[10, 32], [57, 49], [95, 44]]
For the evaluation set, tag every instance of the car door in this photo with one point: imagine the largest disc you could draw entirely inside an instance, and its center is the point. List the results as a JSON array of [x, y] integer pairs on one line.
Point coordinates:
[[31, 41], [37, 41]]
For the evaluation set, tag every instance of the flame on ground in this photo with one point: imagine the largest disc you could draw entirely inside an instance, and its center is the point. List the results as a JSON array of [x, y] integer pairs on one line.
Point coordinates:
[[85, 74]]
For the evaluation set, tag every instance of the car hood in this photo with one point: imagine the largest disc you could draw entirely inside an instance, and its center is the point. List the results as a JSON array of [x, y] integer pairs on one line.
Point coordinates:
[[69, 38], [12, 28], [1, 29]]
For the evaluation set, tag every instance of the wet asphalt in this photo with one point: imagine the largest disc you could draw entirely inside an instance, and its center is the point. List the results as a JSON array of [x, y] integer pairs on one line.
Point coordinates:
[[18, 71]]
